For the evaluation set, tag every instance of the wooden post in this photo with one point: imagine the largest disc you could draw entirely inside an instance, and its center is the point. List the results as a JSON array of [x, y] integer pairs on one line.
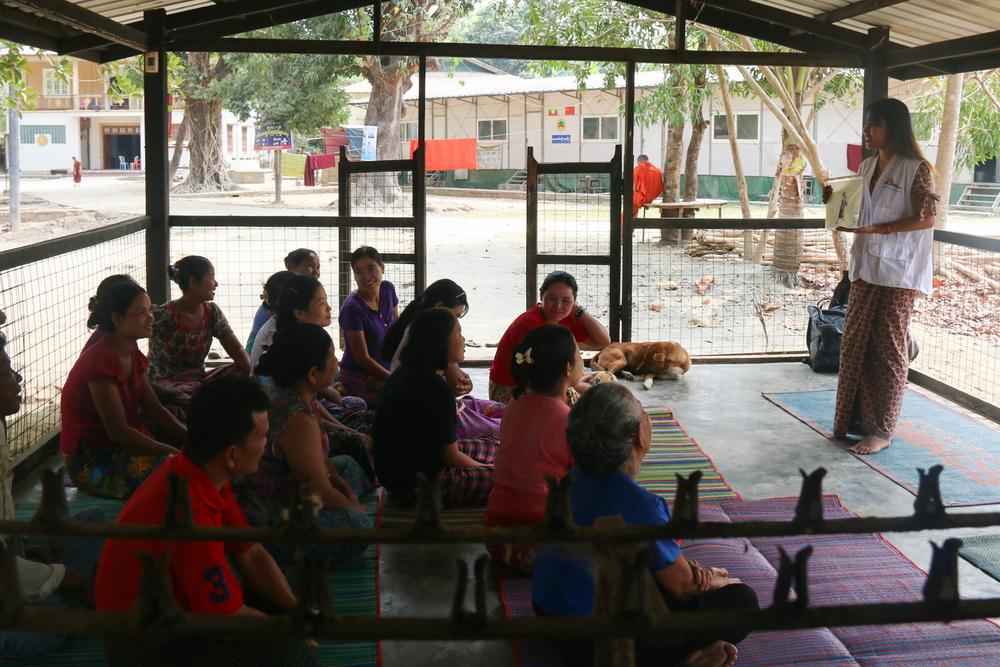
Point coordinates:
[[277, 176], [876, 75], [627, 231], [157, 166], [14, 165], [531, 229], [420, 185]]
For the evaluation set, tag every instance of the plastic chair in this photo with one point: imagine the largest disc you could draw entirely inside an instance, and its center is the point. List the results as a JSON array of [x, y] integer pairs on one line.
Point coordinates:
[[136, 163], [121, 163]]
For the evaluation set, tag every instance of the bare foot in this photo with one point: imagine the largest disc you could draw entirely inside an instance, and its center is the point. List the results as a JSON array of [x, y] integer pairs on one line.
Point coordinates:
[[719, 654], [870, 444]]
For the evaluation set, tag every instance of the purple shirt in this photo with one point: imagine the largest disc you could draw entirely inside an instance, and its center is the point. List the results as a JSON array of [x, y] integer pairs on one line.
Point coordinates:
[[355, 315]]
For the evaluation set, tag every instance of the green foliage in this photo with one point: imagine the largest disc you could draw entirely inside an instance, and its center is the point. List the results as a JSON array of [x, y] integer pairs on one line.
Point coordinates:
[[493, 23], [302, 92], [13, 75], [979, 123]]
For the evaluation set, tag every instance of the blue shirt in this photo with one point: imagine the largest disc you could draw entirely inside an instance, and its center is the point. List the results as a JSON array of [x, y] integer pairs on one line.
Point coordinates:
[[563, 575], [260, 317]]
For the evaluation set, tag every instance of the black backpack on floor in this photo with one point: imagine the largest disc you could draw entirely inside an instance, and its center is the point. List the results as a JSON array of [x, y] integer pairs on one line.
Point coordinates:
[[826, 328]]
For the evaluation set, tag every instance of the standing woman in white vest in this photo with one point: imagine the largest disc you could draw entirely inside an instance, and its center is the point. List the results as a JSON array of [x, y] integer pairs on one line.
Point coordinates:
[[890, 266]]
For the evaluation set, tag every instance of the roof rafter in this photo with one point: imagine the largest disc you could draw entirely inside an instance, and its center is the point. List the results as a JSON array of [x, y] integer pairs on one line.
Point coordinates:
[[66, 13], [976, 45], [790, 20], [858, 8]]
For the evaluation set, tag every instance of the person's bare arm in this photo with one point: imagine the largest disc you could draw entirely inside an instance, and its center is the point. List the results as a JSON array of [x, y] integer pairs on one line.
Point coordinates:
[[359, 350], [452, 456], [236, 352], [160, 416], [300, 442], [264, 577], [112, 413], [458, 380], [597, 336]]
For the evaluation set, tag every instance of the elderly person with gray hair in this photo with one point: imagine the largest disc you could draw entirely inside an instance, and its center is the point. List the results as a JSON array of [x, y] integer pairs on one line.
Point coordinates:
[[609, 435]]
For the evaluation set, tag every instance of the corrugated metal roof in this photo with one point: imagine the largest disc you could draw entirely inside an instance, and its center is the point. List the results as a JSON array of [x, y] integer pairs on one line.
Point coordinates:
[[129, 11]]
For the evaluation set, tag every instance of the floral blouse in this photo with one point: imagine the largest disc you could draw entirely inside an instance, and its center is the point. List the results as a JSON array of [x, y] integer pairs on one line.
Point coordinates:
[[177, 352]]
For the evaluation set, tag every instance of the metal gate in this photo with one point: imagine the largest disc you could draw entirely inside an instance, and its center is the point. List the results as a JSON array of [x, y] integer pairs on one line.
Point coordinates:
[[574, 224]]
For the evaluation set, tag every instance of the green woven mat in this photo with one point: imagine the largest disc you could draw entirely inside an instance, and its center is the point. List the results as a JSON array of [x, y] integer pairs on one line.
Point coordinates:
[[983, 551], [353, 585]]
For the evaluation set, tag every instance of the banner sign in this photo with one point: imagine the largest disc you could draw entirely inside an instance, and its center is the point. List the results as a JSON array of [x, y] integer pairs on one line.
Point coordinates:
[[369, 141], [272, 137], [562, 138]]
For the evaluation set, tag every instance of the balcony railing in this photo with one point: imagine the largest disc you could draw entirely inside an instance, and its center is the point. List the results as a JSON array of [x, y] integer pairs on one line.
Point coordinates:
[[87, 103]]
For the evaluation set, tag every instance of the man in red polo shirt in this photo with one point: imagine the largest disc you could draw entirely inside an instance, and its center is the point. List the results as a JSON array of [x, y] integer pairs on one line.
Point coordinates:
[[227, 427]]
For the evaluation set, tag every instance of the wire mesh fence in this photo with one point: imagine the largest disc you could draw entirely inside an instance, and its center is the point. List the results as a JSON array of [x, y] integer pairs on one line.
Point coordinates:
[[379, 194], [45, 300], [958, 326], [573, 222], [710, 294]]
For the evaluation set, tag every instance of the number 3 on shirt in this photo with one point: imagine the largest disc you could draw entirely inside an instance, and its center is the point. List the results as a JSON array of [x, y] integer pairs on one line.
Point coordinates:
[[220, 589]]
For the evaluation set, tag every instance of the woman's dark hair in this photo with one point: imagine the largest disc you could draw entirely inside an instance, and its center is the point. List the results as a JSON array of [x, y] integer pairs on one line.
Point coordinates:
[[898, 126], [186, 269], [297, 256], [273, 287], [602, 427], [541, 358], [369, 252], [427, 345], [558, 277], [445, 292], [294, 351], [221, 415], [112, 298], [296, 294]]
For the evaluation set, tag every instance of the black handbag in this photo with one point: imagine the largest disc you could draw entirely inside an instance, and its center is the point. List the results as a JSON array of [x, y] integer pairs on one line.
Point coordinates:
[[823, 335]]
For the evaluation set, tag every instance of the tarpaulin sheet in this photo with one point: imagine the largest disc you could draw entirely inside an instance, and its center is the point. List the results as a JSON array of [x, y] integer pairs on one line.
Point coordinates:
[[447, 154]]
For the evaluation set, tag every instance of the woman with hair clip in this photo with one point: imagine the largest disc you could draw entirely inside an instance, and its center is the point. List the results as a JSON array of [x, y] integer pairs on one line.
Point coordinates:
[[476, 417], [107, 398], [300, 361], [365, 317], [558, 305], [183, 330], [533, 436], [347, 420], [415, 422], [301, 262], [890, 266]]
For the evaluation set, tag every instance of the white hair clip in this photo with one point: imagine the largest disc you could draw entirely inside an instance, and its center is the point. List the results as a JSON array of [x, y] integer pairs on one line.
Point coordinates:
[[523, 358]]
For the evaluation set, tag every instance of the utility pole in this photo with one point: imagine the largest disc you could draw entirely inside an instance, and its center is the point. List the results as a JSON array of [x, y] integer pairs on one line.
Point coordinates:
[[14, 163]]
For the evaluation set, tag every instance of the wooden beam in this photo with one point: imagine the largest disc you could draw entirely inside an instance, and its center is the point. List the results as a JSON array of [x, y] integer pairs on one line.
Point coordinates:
[[855, 9], [876, 83], [74, 16], [520, 52], [951, 66], [789, 20], [680, 34], [976, 45], [22, 28]]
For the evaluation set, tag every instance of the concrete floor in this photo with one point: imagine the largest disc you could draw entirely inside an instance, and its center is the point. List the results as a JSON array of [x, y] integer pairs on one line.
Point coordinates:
[[757, 447]]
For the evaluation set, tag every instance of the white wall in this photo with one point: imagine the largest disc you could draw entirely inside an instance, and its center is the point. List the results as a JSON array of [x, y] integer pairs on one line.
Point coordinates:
[[51, 156]]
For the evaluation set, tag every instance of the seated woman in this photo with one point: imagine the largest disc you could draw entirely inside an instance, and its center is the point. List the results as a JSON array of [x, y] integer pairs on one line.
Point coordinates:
[[558, 306], [609, 434], [476, 418], [533, 436], [301, 262], [183, 330], [415, 422], [365, 317], [300, 362], [105, 440], [268, 302]]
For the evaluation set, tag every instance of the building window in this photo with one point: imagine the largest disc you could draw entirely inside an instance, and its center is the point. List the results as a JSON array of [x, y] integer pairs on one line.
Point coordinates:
[[747, 127], [244, 143], [56, 133], [600, 128], [52, 85], [493, 130], [229, 139], [408, 130]]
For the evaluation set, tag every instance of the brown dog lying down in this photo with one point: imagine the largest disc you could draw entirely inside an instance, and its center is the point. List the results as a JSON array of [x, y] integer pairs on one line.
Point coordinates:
[[659, 360]]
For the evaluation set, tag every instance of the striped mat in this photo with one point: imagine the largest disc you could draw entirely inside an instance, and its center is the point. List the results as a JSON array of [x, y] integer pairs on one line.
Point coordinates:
[[983, 551], [353, 585], [673, 453]]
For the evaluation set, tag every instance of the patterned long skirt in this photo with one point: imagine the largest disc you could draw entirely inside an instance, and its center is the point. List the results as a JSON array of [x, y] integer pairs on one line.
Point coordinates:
[[470, 486], [109, 473], [874, 359]]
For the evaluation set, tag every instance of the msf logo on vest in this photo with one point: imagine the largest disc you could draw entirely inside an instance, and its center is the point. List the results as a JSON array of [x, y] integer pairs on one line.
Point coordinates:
[[892, 185]]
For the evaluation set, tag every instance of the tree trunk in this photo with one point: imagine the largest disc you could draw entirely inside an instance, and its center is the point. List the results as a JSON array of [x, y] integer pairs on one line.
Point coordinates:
[[741, 181], [672, 174], [944, 163], [207, 165], [772, 211], [691, 169], [788, 242], [389, 83], [179, 137]]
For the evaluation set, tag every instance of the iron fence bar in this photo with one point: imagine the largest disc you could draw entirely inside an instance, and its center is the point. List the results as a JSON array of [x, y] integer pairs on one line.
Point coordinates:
[[589, 260], [627, 229], [289, 221], [615, 241], [343, 233], [531, 229], [420, 183], [729, 223], [945, 390], [372, 166], [36, 252], [967, 240], [686, 624], [545, 168]]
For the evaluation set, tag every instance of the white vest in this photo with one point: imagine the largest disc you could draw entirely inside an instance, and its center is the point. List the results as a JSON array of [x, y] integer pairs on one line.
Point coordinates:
[[899, 259]]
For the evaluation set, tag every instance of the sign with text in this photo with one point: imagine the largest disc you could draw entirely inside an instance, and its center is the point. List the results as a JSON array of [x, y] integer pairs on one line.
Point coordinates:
[[369, 142], [272, 137], [562, 138]]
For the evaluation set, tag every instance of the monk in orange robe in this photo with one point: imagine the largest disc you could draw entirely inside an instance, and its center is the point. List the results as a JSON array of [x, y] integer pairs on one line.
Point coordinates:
[[647, 183]]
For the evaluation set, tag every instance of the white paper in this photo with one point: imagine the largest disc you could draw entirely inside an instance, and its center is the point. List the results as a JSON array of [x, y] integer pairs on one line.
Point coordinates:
[[845, 203]]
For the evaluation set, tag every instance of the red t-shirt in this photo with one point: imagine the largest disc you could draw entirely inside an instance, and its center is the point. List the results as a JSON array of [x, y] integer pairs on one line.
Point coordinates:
[[525, 322], [81, 425], [532, 443], [203, 581]]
